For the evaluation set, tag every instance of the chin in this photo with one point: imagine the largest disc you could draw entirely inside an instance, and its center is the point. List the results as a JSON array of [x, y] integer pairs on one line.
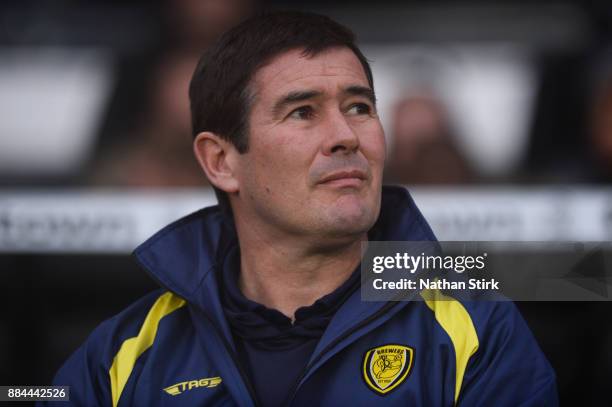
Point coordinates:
[[351, 219]]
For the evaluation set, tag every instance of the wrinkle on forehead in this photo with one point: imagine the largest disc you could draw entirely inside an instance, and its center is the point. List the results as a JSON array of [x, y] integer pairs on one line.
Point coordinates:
[[293, 66]]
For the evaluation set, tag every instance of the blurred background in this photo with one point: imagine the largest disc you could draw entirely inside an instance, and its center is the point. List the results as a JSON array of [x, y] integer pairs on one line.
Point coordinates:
[[498, 118]]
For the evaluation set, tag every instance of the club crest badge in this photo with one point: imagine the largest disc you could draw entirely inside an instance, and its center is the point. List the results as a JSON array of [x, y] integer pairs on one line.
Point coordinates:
[[386, 367]]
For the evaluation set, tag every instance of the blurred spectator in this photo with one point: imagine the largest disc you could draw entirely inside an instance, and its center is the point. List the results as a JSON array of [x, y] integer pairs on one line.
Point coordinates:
[[193, 25], [601, 132], [156, 151], [558, 141], [423, 150]]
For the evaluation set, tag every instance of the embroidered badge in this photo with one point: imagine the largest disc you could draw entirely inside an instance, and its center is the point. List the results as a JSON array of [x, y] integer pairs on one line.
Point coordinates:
[[386, 367]]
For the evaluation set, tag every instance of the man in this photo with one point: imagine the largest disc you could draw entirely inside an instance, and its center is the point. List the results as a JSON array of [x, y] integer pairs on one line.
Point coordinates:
[[260, 301]]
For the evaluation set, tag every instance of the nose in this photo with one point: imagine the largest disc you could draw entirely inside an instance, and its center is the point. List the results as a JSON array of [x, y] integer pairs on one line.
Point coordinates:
[[340, 138]]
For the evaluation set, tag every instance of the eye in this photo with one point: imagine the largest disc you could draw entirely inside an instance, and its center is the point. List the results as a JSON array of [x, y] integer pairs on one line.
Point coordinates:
[[359, 108], [302, 113]]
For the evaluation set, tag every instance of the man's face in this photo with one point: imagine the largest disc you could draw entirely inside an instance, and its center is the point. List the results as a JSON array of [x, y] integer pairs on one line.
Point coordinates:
[[316, 147]]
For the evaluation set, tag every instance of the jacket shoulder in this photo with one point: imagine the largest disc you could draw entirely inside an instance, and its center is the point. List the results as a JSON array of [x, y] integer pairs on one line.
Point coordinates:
[[98, 371]]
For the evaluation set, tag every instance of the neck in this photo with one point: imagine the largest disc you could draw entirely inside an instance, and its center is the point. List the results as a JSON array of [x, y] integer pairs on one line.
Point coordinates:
[[286, 274]]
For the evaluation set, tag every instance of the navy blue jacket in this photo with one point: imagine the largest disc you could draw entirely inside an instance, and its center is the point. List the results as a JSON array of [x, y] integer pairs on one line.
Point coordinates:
[[174, 346]]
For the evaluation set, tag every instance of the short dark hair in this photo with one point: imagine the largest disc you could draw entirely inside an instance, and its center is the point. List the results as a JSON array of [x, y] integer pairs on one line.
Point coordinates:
[[219, 90]]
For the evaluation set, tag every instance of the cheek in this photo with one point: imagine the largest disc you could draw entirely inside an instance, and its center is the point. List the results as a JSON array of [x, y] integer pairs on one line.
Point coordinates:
[[375, 148], [280, 165]]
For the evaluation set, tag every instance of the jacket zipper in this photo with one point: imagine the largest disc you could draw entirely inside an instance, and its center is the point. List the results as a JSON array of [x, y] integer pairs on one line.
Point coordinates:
[[234, 357], [346, 334]]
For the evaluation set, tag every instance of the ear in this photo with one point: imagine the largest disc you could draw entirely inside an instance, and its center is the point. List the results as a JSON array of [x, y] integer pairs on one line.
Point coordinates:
[[218, 158]]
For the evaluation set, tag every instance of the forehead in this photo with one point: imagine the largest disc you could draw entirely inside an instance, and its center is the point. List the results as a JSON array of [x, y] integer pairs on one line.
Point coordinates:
[[337, 66]]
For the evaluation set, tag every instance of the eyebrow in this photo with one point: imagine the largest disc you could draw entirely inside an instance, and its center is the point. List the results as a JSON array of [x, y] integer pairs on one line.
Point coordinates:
[[357, 90], [293, 97], [302, 95]]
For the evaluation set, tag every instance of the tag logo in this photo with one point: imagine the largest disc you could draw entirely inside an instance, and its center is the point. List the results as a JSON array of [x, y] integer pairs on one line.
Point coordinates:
[[182, 387], [386, 367]]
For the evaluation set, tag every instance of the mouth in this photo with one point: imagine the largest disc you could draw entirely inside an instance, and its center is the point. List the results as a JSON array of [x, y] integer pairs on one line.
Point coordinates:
[[351, 178]]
